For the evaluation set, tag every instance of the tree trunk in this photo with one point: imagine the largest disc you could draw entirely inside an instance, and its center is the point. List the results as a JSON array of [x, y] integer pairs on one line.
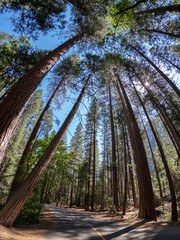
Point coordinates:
[[155, 166], [15, 204], [14, 103], [71, 195], [171, 185], [174, 87], [170, 135], [132, 178], [161, 10], [19, 175], [146, 195], [168, 123], [126, 175], [122, 12], [161, 32], [114, 162], [165, 59], [87, 196], [103, 185], [103, 175], [94, 168], [107, 170]]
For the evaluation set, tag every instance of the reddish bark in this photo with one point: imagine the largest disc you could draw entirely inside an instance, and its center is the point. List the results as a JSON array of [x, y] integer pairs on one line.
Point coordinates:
[[11, 210], [19, 175], [163, 157], [146, 195], [114, 161], [15, 101]]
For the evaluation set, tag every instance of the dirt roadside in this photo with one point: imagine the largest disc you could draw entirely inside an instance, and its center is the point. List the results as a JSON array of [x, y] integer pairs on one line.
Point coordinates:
[[30, 232]]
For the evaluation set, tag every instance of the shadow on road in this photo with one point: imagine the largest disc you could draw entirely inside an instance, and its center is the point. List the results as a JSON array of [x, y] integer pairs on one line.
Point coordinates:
[[125, 230]]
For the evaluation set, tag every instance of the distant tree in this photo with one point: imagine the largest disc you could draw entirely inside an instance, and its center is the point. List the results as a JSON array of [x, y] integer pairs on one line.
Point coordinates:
[[17, 57], [114, 161], [24, 89], [20, 136], [94, 117], [66, 65], [15, 204]]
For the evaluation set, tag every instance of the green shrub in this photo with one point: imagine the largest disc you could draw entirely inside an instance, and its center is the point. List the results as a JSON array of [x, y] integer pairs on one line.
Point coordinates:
[[157, 201], [30, 212]]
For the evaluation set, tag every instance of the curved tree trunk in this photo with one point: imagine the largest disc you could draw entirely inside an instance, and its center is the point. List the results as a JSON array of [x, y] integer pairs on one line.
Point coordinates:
[[165, 59], [122, 12], [19, 175], [146, 195], [162, 32], [168, 123], [161, 10], [15, 204], [174, 87], [170, 135], [14, 103]]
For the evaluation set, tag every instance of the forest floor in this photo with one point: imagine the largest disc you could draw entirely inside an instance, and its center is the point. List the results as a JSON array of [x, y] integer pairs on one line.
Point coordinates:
[[48, 220], [30, 232]]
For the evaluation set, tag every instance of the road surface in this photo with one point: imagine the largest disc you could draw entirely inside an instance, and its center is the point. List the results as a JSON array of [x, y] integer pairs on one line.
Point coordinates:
[[79, 226]]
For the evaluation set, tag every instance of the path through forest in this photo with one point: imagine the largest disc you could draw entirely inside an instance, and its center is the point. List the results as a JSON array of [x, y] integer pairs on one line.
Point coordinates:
[[77, 225]]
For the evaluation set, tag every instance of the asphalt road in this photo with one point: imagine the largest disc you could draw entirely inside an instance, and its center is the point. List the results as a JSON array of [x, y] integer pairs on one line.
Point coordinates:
[[79, 226]]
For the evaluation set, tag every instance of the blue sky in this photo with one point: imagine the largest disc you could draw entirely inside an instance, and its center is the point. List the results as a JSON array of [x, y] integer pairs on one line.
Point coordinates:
[[49, 43]]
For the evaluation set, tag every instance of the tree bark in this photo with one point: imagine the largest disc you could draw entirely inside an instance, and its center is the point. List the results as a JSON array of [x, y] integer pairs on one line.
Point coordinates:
[[159, 10], [126, 175], [14, 103], [19, 175], [162, 32], [168, 123], [122, 12], [155, 166], [146, 195], [114, 161], [165, 59], [171, 137], [168, 174], [87, 197], [174, 87], [132, 178], [103, 175], [94, 168], [15, 204]]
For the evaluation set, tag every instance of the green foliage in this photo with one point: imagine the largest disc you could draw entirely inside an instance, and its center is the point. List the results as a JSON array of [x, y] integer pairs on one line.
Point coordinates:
[[16, 57], [113, 59], [18, 141], [157, 201], [33, 16], [110, 205], [30, 212], [70, 67], [119, 20]]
